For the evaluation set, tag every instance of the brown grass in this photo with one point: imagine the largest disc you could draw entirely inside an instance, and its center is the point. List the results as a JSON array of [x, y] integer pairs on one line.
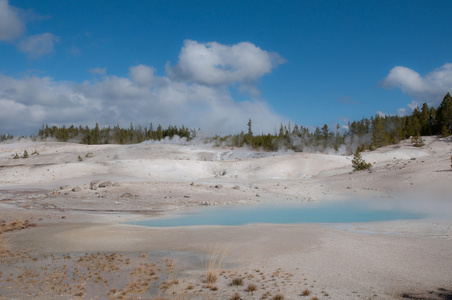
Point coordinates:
[[215, 264], [306, 292], [251, 287], [236, 296], [237, 281], [4, 247], [14, 225]]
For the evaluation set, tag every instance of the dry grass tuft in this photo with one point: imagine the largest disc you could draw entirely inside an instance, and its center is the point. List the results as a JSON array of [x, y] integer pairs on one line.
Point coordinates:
[[278, 297], [236, 296], [4, 247], [306, 292], [15, 225], [251, 287], [237, 281], [215, 264]]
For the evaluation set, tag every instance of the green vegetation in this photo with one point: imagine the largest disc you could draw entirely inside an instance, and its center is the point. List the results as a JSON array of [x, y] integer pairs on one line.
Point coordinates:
[[417, 140], [370, 133], [358, 163], [378, 131], [115, 135], [5, 137]]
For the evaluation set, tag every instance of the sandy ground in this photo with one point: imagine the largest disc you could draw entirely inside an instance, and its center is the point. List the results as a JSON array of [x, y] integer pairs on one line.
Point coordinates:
[[78, 195]]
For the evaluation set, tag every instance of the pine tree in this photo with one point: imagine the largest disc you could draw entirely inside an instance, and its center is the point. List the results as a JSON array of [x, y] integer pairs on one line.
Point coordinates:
[[358, 163], [417, 140], [380, 136], [444, 116], [250, 131]]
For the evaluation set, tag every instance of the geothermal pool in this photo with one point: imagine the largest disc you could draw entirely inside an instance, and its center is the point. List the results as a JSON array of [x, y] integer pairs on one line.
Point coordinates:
[[329, 212]]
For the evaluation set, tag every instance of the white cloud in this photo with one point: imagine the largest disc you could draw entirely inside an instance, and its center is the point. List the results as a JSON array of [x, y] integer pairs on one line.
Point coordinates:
[[38, 45], [216, 64], [401, 112], [98, 71], [142, 75], [11, 26], [381, 114], [141, 97], [430, 88]]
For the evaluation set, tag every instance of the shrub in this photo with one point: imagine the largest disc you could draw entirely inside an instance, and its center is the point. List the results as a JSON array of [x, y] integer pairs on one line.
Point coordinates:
[[359, 163], [417, 140]]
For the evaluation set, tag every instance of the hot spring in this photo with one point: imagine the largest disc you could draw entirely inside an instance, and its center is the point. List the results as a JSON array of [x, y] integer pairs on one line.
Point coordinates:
[[323, 212]]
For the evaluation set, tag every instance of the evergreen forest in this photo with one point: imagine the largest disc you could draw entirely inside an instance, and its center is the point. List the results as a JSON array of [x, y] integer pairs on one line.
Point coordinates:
[[378, 131]]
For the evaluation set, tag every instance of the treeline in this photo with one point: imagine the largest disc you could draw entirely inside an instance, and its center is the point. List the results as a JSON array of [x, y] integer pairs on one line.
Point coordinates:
[[5, 137], [378, 131], [370, 133], [115, 135]]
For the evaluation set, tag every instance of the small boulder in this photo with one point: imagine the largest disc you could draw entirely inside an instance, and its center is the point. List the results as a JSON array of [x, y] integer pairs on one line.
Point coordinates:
[[93, 184], [77, 189], [105, 184]]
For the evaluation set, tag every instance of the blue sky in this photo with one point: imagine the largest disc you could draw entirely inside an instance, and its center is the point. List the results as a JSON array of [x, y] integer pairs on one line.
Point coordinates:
[[215, 64]]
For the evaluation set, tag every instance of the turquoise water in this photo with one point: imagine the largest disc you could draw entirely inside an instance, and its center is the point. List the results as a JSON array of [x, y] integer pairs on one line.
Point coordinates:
[[331, 212]]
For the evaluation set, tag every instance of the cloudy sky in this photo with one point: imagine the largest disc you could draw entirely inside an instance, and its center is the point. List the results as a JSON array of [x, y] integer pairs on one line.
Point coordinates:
[[215, 64]]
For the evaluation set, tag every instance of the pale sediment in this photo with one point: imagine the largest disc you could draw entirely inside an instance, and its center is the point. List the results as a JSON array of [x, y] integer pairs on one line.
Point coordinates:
[[382, 260]]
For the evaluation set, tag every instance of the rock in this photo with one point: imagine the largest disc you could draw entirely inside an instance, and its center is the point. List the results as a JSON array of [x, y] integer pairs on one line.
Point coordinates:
[[105, 184], [116, 184], [126, 195], [77, 189], [218, 186], [236, 187], [186, 196], [205, 203], [63, 187], [93, 184]]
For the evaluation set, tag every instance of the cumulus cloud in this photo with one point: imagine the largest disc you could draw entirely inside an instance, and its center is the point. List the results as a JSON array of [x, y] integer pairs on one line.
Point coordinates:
[[11, 26], [216, 64], [141, 97], [430, 88], [98, 71], [142, 75], [38, 45]]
